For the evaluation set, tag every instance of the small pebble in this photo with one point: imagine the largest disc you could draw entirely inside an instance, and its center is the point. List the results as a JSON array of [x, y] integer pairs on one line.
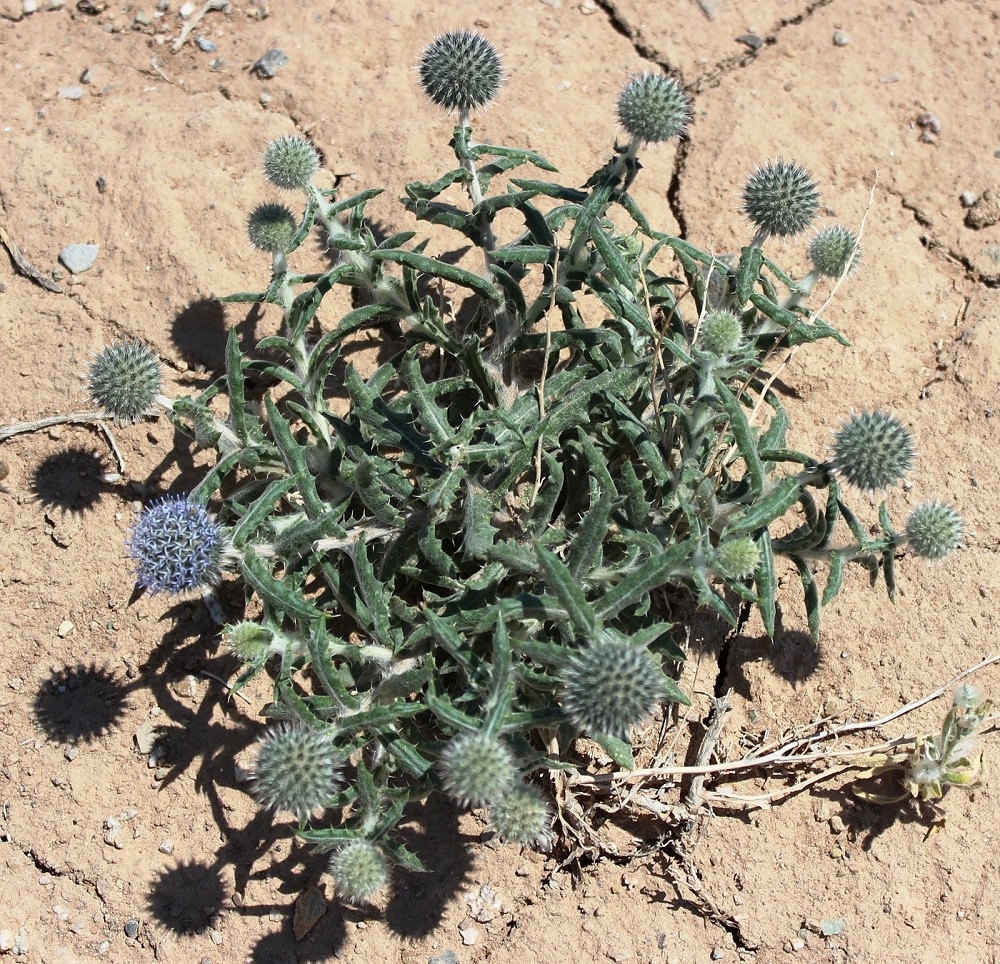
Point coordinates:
[[131, 927], [104, 947], [143, 19], [71, 93], [929, 123], [29, 6], [751, 40], [718, 953], [167, 847], [65, 628], [71, 753], [215, 935], [968, 199], [268, 65], [798, 944], [187, 10], [208, 46], [79, 257], [469, 935], [840, 38], [889, 79], [265, 98]]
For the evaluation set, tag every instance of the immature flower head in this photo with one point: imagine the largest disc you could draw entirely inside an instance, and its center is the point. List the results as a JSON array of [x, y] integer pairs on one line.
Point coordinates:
[[250, 642], [297, 769], [477, 769], [609, 687], [290, 162], [177, 546], [124, 380], [359, 870], [738, 558], [461, 71], [934, 529], [834, 250], [271, 228], [780, 199], [653, 108], [873, 450], [522, 816], [967, 697], [721, 333]]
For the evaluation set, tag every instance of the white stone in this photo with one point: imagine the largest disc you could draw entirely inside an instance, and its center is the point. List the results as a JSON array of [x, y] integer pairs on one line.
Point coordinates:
[[79, 257]]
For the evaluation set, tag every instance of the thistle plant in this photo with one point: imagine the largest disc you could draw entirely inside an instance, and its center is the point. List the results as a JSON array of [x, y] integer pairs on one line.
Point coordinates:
[[493, 549]]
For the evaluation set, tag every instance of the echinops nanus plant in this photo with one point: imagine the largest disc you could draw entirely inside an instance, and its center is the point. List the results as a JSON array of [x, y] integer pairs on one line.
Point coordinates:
[[494, 549]]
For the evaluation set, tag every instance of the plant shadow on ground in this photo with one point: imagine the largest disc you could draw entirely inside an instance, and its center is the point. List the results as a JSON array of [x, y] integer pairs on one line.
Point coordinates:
[[69, 480], [207, 735]]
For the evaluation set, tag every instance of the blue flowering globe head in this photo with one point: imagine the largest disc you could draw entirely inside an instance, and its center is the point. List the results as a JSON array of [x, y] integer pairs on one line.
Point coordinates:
[[177, 546]]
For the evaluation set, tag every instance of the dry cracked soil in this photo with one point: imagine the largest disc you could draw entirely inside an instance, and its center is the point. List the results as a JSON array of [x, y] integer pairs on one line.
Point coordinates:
[[113, 133]]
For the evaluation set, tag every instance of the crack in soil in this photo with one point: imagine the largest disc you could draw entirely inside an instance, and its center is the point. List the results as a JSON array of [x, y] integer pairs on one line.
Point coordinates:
[[942, 250]]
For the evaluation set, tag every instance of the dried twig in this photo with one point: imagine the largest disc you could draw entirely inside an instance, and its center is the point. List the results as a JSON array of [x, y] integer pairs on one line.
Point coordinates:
[[78, 418], [192, 21]]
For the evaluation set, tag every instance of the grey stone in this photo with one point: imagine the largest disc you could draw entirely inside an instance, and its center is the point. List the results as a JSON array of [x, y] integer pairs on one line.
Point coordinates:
[[71, 93], [79, 257], [268, 65], [131, 927], [840, 38], [208, 46]]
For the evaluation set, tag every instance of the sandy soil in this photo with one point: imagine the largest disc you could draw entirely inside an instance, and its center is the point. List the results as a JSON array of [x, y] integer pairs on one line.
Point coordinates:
[[109, 854]]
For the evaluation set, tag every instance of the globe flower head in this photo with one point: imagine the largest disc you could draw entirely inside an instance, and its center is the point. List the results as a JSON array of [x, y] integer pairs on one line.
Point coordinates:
[[721, 333], [460, 71], [873, 450], [125, 380], [834, 250], [780, 199], [477, 769], [249, 642], [297, 769], [934, 530], [738, 558], [271, 228], [290, 162], [522, 816], [609, 687], [359, 871], [177, 547], [653, 108]]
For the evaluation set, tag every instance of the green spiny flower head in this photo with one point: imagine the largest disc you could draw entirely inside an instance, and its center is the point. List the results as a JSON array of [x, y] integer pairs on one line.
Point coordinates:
[[780, 199], [177, 547], [477, 769], [125, 380], [738, 558], [290, 162], [873, 450], [522, 816], [653, 108], [271, 228], [934, 530], [721, 333], [297, 769], [609, 687], [461, 71], [250, 642], [834, 250], [359, 871]]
